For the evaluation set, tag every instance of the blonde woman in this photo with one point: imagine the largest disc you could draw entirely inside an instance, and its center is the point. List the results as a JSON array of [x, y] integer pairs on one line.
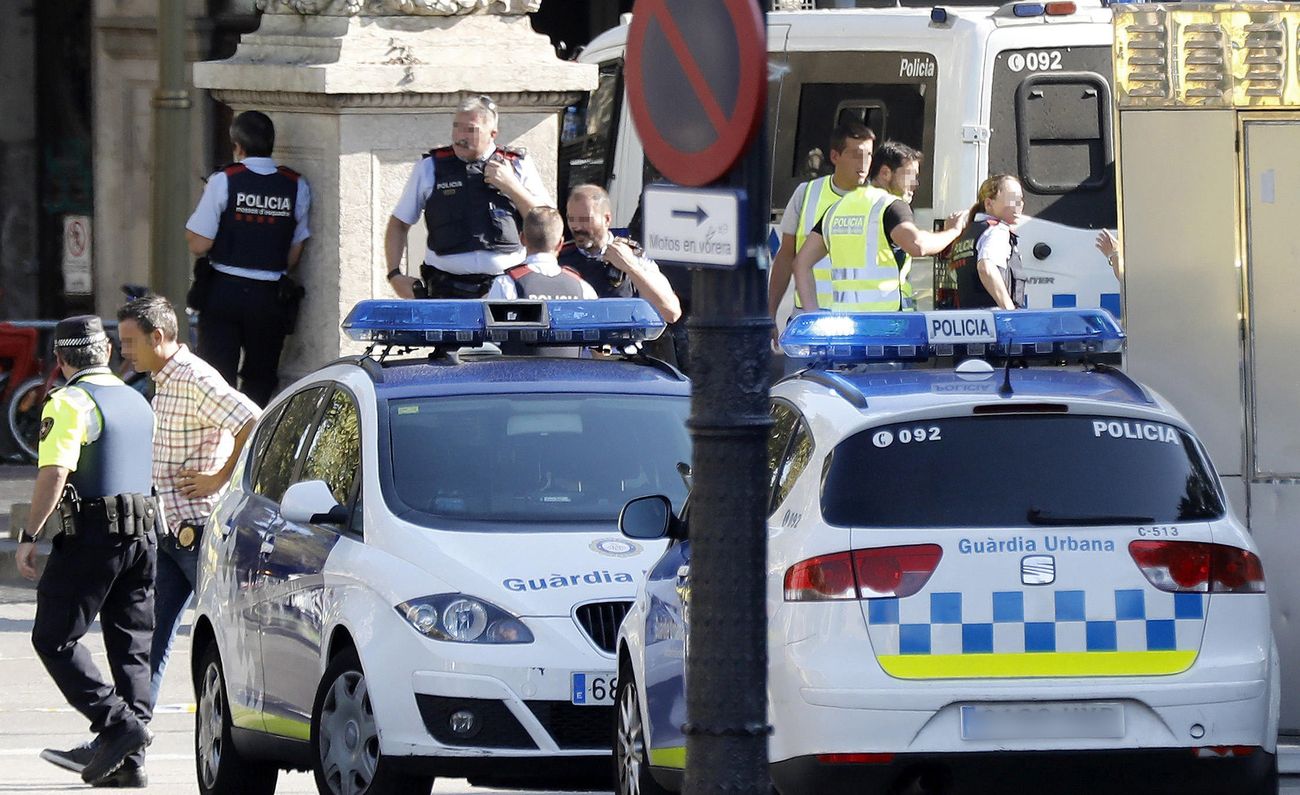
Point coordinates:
[[985, 258]]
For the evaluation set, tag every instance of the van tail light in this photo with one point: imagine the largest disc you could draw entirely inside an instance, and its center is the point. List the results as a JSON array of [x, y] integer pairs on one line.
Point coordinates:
[[1223, 751], [1194, 566], [863, 574], [855, 759]]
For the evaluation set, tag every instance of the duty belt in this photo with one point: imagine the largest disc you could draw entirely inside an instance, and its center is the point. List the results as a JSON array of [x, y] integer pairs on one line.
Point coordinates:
[[121, 514]]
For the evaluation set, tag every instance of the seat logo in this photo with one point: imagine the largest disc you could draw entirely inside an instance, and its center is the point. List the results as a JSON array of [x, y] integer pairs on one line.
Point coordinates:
[[616, 547], [1038, 570]]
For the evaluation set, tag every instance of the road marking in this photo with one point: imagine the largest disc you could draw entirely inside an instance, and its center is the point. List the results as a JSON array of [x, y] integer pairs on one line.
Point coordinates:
[[152, 757], [163, 709]]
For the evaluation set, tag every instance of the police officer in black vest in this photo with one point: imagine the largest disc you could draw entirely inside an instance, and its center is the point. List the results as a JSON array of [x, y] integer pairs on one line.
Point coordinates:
[[251, 224], [96, 460], [473, 196], [986, 257], [616, 266], [540, 276]]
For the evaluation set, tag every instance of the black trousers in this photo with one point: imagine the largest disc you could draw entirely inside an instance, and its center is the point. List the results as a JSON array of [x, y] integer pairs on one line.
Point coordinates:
[[243, 316], [99, 574]]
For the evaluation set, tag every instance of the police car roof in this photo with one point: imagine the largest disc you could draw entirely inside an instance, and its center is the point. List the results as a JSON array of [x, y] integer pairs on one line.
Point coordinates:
[[880, 392], [528, 374]]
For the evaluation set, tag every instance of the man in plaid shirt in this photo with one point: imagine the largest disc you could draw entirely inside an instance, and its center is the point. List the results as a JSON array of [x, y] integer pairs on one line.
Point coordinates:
[[200, 426]]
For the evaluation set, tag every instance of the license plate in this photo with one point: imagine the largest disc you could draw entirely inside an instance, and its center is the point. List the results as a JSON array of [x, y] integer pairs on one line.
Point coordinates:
[[1048, 720], [593, 688]]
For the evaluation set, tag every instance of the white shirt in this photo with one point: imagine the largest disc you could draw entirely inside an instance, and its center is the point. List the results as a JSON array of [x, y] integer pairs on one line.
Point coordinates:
[[995, 244], [410, 209], [207, 216], [504, 288]]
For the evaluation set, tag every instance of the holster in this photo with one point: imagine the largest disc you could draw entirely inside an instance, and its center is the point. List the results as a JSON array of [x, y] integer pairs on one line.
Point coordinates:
[[68, 510], [201, 285], [289, 294], [440, 284]]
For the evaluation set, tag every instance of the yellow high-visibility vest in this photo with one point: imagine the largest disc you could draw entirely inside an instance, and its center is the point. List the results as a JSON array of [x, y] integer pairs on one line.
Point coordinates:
[[865, 276], [818, 196]]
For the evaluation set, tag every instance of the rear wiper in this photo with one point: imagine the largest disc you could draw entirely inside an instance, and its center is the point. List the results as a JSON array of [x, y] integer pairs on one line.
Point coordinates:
[[1041, 517]]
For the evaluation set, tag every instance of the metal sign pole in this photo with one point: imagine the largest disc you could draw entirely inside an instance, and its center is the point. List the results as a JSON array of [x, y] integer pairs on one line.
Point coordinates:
[[726, 693]]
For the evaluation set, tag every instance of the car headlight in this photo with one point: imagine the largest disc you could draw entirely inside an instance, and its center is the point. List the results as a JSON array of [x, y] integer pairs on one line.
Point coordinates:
[[463, 619]]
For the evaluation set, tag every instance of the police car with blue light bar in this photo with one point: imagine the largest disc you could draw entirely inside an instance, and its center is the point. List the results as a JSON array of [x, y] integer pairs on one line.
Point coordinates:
[[983, 578], [417, 570]]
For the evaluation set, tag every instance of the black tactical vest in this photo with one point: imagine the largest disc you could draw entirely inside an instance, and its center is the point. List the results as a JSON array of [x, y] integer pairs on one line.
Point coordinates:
[[120, 461], [257, 226], [463, 212], [531, 284], [605, 279], [964, 262]]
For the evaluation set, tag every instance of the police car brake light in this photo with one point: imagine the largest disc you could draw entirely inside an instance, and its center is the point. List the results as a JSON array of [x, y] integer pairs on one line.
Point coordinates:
[[458, 323], [861, 337], [882, 572], [1198, 567]]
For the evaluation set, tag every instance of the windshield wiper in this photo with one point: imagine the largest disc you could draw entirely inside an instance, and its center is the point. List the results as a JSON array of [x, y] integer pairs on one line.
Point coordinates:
[[1038, 516]]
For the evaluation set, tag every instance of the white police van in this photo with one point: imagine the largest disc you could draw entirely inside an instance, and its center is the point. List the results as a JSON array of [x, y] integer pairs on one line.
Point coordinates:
[[981, 578], [1023, 88], [417, 571]]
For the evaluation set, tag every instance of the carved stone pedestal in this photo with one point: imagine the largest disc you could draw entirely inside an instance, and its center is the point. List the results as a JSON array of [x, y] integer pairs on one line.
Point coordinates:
[[358, 91]]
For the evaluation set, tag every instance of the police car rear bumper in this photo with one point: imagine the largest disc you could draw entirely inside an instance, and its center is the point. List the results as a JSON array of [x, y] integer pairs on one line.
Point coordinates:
[[1173, 770]]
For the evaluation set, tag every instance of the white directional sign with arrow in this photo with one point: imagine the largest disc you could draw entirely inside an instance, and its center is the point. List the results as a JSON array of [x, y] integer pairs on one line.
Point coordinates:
[[694, 227]]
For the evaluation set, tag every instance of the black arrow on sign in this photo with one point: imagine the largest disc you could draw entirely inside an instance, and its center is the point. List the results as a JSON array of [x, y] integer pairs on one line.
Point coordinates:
[[698, 214]]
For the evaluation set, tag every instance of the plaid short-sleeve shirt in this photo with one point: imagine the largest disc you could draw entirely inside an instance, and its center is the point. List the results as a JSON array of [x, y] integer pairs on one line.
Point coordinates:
[[196, 414]]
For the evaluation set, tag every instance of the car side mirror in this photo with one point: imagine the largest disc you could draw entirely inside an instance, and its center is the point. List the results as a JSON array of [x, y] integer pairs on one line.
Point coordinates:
[[311, 502], [646, 518]]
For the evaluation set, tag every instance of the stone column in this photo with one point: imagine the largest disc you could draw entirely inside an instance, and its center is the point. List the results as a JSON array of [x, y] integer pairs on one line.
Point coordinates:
[[126, 75], [358, 90]]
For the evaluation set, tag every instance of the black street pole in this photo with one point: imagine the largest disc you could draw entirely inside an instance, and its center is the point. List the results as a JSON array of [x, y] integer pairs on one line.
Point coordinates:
[[726, 670]]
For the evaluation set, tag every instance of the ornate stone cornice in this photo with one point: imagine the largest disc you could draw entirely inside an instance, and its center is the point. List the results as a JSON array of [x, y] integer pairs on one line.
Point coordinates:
[[525, 101], [384, 8]]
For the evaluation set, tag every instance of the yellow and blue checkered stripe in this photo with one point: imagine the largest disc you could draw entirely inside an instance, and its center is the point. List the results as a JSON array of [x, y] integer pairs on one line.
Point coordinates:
[[1039, 632]]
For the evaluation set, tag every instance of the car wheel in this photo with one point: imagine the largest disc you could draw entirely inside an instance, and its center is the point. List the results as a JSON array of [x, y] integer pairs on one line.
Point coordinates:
[[220, 768], [631, 754], [345, 737]]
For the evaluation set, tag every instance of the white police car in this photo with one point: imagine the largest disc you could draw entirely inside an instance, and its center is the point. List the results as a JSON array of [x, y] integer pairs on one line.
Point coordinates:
[[980, 580], [417, 571]]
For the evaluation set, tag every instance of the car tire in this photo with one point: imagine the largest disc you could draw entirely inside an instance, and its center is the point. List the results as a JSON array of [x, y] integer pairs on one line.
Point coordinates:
[[631, 755], [345, 737], [218, 766]]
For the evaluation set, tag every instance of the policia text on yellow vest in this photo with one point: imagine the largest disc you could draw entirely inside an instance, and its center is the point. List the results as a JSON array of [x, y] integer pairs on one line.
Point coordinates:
[[861, 273]]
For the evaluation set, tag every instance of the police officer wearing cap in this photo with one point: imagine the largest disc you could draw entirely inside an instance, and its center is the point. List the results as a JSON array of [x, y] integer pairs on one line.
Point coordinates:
[[96, 456], [251, 224], [473, 196]]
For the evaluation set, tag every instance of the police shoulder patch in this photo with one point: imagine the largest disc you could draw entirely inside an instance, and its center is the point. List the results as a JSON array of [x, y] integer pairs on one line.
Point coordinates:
[[47, 425]]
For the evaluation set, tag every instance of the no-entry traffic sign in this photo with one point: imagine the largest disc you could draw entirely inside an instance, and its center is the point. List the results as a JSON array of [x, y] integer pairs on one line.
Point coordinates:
[[696, 79]]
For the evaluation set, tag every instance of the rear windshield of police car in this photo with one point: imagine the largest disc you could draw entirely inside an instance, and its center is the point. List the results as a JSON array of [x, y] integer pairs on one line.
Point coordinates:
[[1018, 471], [536, 458]]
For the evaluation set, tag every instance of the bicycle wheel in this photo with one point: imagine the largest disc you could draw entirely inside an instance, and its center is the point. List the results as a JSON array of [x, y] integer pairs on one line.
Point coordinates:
[[25, 406]]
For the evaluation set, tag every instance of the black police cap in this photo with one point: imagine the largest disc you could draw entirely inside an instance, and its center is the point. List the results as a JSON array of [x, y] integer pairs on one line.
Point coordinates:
[[77, 331]]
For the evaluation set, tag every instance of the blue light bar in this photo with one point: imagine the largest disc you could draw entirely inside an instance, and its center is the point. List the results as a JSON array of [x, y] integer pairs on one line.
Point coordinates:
[[1028, 9], [863, 337], [456, 324]]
